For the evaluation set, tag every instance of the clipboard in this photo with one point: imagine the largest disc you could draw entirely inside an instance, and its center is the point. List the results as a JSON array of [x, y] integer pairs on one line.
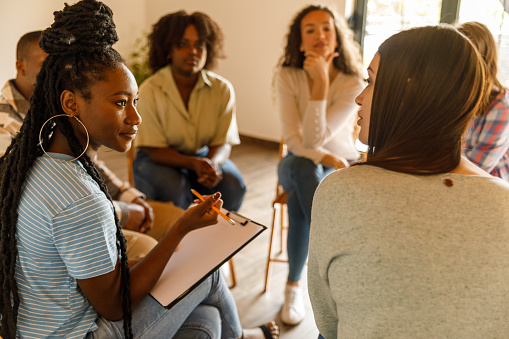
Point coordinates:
[[202, 252]]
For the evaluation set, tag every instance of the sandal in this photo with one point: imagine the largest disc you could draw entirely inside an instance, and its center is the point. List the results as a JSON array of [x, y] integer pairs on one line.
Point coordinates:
[[267, 330]]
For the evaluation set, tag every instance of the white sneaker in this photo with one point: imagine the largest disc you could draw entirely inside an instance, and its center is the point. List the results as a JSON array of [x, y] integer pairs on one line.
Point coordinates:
[[293, 310]]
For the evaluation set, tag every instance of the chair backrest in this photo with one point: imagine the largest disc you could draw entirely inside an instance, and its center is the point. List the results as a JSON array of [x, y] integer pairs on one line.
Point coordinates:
[[283, 150]]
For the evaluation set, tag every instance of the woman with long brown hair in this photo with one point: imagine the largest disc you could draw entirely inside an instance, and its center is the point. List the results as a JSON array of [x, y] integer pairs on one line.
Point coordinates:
[[413, 242]]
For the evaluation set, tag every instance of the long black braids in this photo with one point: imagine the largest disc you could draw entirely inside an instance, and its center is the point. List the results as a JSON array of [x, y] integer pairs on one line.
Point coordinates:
[[79, 51]]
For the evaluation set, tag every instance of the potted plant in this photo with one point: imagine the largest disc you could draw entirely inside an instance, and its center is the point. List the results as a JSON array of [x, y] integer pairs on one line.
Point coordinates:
[[139, 59]]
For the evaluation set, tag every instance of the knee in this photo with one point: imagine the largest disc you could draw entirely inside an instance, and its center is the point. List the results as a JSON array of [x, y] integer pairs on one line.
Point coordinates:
[[138, 244], [233, 198], [204, 322], [145, 168], [196, 333], [297, 164], [292, 169], [162, 183], [233, 184], [233, 189]]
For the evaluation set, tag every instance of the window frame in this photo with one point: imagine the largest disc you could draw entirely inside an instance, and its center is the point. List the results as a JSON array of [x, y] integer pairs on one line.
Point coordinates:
[[449, 13]]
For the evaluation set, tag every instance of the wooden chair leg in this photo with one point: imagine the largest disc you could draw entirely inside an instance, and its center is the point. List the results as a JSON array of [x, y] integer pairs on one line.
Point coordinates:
[[232, 273], [282, 217], [269, 258], [278, 203]]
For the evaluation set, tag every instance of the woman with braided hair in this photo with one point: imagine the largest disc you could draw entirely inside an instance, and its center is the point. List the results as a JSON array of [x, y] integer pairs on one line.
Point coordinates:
[[63, 267]]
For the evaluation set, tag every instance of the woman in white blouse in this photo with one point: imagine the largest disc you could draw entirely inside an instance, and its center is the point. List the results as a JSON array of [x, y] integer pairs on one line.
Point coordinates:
[[316, 84]]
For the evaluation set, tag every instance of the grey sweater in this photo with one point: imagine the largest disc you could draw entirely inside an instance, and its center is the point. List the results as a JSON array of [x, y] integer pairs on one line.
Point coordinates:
[[394, 255]]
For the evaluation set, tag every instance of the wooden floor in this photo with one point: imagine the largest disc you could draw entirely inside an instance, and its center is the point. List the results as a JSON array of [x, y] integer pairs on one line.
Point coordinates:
[[257, 162]]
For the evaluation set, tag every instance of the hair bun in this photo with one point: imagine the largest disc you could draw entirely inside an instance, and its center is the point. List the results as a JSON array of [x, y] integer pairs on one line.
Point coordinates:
[[86, 26]]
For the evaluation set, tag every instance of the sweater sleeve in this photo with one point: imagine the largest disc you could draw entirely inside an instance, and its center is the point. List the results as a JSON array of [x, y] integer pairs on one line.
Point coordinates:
[[322, 257]]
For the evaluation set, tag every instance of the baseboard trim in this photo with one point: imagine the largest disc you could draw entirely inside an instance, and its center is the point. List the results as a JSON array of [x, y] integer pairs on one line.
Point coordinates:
[[265, 143]]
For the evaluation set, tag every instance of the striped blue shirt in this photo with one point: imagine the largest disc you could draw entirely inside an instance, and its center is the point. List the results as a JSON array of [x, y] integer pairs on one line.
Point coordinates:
[[66, 231]]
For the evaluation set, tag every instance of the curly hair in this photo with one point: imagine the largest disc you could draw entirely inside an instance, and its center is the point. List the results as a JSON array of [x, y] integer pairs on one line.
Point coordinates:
[[79, 46], [348, 61], [169, 30]]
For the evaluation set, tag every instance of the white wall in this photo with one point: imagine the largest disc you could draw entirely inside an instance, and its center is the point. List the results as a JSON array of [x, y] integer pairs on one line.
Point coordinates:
[[254, 32], [16, 20], [21, 16]]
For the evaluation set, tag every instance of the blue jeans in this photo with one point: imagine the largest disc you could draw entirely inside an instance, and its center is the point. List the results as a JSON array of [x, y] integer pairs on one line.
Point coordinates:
[[299, 177], [164, 183], [209, 311]]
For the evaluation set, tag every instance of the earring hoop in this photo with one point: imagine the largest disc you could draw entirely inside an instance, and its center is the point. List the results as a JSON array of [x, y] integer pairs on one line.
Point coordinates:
[[63, 115]]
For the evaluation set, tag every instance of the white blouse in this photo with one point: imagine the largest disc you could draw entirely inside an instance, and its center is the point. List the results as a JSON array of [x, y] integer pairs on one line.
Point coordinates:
[[314, 128]]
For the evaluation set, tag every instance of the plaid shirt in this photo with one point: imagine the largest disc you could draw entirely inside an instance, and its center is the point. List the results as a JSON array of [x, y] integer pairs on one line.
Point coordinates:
[[13, 108], [486, 141]]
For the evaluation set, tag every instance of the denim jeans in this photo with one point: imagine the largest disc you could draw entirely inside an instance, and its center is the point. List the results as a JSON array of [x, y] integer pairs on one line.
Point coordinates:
[[164, 183], [299, 177], [209, 311]]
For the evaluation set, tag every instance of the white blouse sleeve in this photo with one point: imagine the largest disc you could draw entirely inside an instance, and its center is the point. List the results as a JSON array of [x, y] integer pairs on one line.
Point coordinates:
[[322, 120], [306, 134]]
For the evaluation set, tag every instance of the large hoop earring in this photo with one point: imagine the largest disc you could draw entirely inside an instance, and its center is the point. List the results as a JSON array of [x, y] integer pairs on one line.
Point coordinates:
[[63, 115]]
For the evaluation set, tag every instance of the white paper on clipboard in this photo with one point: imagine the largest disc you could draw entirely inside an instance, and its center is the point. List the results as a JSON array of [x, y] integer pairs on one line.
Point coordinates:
[[200, 253]]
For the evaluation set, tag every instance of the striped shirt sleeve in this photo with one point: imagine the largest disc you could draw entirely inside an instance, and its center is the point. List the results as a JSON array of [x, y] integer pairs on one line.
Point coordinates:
[[84, 237]]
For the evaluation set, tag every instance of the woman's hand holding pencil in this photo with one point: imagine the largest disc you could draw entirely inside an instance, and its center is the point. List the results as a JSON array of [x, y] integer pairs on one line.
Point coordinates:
[[217, 210], [200, 215]]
